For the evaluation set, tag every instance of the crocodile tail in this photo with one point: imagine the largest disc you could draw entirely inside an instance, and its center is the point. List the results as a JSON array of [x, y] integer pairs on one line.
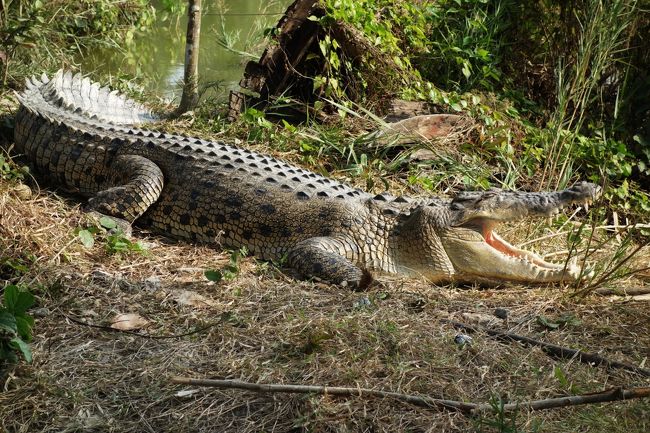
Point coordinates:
[[77, 94]]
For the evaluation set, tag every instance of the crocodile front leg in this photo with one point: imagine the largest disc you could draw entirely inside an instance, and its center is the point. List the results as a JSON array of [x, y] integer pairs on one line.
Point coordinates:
[[135, 183], [321, 257]]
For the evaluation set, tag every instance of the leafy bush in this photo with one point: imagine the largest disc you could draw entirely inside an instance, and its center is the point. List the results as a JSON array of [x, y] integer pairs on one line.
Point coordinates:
[[560, 89], [45, 32], [116, 241], [15, 325], [9, 171]]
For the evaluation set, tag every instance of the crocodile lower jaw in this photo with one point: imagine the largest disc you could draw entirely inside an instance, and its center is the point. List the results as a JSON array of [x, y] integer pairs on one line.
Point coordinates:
[[535, 262], [504, 247], [479, 254]]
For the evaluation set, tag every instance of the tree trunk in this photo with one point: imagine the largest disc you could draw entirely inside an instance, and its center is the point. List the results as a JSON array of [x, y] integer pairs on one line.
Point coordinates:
[[190, 97]]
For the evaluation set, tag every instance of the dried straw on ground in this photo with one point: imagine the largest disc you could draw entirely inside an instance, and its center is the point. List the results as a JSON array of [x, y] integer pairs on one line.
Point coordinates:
[[265, 326]]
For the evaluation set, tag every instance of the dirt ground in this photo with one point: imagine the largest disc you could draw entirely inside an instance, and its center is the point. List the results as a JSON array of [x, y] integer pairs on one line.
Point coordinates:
[[265, 326]]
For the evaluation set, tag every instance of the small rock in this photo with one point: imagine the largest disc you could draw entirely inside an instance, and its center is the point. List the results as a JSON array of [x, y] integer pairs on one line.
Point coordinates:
[[40, 312], [190, 298], [186, 393], [501, 313], [463, 339], [417, 305], [102, 275], [128, 322], [88, 313], [22, 191], [423, 155], [152, 283], [480, 318], [362, 302]]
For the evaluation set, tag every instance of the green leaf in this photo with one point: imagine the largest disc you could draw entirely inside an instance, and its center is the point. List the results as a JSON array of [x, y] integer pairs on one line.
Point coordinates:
[[86, 238], [24, 325], [11, 298], [138, 247], [569, 319], [547, 323], [560, 376], [8, 322], [107, 222], [23, 301], [230, 273], [466, 72], [213, 275], [22, 347], [118, 244], [483, 53]]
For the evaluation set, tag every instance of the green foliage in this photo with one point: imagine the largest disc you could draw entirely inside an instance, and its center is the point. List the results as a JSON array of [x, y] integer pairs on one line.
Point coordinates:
[[464, 43], [555, 323], [258, 125], [108, 231], [173, 7], [11, 267], [454, 44], [9, 171], [555, 86], [500, 421], [231, 270], [564, 381], [624, 244], [602, 36], [15, 325]]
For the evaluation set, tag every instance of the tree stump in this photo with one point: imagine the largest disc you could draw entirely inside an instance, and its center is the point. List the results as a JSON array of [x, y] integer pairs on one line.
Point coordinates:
[[277, 68]]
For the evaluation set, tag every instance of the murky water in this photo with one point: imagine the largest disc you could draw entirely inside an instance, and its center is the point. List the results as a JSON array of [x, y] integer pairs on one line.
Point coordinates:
[[155, 58]]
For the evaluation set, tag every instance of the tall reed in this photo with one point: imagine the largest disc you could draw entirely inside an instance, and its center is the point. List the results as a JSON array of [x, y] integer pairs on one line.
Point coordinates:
[[602, 37]]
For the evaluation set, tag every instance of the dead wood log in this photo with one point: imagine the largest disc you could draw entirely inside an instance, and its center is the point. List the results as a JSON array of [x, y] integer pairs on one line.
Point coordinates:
[[623, 291], [615, 394], [422, 401], [294, 58], [269, 76]]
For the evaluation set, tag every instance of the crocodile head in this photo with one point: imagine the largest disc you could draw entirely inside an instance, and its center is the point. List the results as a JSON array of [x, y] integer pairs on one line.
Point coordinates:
[[475, 252]]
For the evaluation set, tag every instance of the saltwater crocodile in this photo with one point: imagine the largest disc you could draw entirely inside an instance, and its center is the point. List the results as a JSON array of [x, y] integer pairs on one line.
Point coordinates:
[[87, 139]]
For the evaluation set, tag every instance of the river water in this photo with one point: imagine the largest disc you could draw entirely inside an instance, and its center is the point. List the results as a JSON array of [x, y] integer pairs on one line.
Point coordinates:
[[154, 59]]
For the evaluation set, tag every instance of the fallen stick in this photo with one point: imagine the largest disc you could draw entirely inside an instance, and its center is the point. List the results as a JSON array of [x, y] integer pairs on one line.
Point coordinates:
[[422, 401], [552, 349], [629, 291], [615, 394]]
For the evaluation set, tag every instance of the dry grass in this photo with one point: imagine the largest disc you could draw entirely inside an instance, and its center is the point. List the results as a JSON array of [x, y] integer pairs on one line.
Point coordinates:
[[265, 326]]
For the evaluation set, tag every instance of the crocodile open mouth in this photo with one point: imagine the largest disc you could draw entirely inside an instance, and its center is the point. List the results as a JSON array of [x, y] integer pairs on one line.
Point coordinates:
[[486, 228]]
